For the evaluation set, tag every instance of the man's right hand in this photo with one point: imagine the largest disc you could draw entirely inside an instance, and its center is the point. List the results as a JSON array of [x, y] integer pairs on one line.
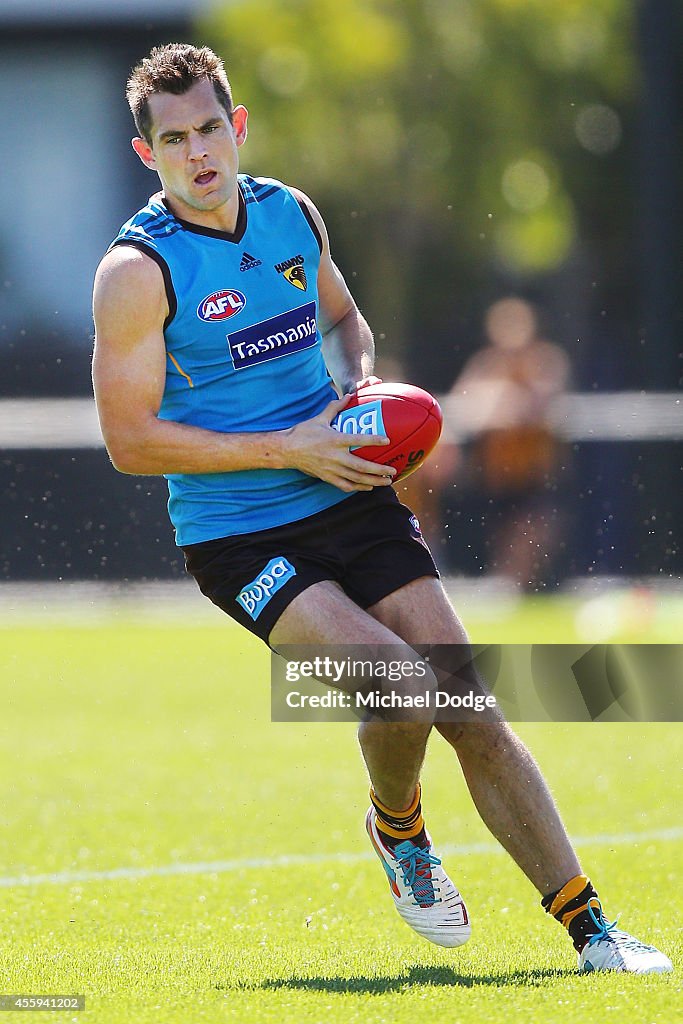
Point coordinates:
[[316, 448]]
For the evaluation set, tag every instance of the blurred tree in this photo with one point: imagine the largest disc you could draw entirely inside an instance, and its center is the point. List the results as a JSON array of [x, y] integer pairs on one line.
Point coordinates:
[[439, 137]]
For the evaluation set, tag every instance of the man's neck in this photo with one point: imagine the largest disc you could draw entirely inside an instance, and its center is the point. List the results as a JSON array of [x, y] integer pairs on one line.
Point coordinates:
[[224, 218]]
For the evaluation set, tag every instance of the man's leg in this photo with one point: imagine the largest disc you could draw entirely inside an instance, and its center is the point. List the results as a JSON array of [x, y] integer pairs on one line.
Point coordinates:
[[513, 800], [393, 751], [424, 896], [505, 782]]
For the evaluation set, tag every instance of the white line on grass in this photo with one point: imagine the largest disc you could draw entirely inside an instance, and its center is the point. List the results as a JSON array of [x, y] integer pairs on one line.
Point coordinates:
[[306, 859]]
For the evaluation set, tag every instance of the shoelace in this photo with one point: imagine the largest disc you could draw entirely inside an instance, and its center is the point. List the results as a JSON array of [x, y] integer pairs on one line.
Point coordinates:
[[602, 924], [626, 941], [416, 863]]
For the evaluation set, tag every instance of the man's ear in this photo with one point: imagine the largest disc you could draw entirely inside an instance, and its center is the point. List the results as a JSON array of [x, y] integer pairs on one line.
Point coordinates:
[[144, 151], [239, 124]]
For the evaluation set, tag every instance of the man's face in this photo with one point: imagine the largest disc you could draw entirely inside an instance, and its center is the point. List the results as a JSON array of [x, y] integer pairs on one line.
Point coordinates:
[[194, 148]]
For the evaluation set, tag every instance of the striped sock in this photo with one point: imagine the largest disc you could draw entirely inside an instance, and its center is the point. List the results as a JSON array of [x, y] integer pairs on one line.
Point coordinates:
[[569, 906], [396, 826]]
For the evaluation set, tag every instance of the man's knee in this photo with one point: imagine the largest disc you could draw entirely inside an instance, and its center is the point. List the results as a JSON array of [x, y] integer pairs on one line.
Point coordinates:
[[463, 695], [405, 697]]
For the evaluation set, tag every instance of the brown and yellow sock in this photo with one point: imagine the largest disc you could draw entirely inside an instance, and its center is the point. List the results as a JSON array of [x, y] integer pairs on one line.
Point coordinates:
[[569, 906], [397, 826]]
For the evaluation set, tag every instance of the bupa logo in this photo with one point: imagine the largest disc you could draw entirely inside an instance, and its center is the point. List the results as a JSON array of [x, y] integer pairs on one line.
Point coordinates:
[[361, 419], [258, 593], [221, 305]]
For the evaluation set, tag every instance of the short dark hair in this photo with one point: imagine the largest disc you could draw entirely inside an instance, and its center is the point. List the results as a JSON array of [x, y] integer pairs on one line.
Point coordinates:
[[174, 68]]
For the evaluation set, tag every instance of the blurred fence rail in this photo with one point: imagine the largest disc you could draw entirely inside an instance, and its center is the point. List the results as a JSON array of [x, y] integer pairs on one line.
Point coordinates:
[[71, 423]]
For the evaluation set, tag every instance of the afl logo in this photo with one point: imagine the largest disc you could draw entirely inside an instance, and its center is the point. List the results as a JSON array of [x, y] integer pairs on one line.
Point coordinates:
[[221, 305]]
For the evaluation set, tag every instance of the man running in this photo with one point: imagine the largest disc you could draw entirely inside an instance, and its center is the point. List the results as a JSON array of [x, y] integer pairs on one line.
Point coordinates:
[[220, 317]]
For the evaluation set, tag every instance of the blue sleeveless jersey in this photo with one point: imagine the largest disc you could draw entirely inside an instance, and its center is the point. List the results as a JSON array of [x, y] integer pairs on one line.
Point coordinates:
[[243, 351]]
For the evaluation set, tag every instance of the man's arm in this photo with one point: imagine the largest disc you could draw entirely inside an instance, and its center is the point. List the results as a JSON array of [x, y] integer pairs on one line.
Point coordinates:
[[129, 373], [348, 345]]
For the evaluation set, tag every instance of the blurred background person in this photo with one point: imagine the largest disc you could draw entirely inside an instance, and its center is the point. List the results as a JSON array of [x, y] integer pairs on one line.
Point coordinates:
[[506, 393]]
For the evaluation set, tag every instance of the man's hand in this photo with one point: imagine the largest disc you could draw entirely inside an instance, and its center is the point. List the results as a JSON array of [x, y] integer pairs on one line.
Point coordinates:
[[316, 448]]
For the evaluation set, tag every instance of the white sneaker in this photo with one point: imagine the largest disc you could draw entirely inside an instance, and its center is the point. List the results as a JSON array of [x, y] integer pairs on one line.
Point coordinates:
[[612, 950], [424, 895]]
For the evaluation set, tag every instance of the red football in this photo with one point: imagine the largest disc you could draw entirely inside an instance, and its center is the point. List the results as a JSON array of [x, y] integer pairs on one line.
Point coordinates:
[[409, 416]]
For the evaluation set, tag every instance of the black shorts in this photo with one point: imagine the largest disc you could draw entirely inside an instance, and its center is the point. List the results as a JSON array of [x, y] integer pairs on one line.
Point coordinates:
[[369, 543]]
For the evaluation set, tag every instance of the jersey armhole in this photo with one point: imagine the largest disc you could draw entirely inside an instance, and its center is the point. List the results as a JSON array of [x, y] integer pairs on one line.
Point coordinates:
[[311, 223], [171, 299]]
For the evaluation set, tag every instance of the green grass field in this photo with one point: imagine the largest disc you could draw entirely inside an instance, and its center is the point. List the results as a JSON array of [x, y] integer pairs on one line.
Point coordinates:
[[173, 855]]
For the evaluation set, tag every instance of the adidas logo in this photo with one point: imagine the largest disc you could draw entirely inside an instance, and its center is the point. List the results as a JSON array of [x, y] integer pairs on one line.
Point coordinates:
[[249, 262]]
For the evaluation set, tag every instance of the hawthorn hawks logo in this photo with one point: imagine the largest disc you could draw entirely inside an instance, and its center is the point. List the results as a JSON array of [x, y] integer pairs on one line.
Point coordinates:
[[297, 277], [293, 271]]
